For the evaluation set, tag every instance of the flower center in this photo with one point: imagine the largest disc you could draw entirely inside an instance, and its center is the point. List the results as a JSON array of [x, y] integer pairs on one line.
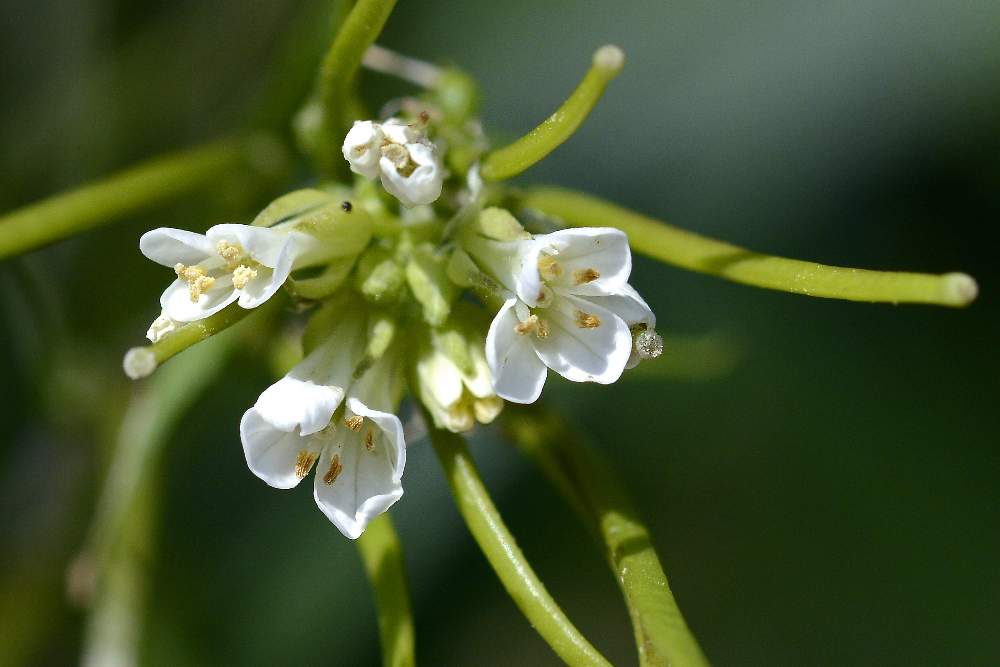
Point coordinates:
[[197, 279], [400, 158], [549, 268], [535, 325]]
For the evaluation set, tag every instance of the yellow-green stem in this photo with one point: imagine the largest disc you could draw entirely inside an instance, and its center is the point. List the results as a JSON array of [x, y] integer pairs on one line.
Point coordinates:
[[503, 554], [135, 189], [141, 361], [592, 489], [514, 158], [692, 251], [382, 555], [338, 71]]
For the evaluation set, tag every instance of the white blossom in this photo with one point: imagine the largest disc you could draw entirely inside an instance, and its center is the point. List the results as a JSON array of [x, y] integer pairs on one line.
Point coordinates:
[[571, 309], [228, 263], [356, 445], [405, 160], [457, 395]]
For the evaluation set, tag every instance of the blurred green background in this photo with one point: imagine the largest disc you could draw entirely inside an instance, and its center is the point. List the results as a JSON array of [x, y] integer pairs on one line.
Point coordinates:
[[821, 477]]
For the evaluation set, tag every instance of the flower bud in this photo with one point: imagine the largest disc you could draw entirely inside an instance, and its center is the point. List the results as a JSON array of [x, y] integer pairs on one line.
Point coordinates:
[[500, 225]]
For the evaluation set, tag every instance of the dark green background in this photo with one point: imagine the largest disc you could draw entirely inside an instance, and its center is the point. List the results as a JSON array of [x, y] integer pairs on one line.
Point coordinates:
[[830, 499]]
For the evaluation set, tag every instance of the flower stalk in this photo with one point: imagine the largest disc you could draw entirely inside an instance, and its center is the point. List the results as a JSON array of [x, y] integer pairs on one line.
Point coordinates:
[[516, 157], [593, 491], [503, 554], [135, 189], [338, 71], [694, 252], [141, 361], [382, 556]]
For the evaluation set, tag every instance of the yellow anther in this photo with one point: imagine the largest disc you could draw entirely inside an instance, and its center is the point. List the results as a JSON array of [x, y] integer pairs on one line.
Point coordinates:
[[354, 423], [304, 463], [333, 471], [370, 441], [584, 276], [534, 325], [549, 268], [231, 253], [586, 320], [242, 275], [197, 279], [542, 329], [528, 326]]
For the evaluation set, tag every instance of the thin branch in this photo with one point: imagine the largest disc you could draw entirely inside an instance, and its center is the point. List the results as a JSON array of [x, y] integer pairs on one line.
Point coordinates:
[[503, 554], [694, 252]]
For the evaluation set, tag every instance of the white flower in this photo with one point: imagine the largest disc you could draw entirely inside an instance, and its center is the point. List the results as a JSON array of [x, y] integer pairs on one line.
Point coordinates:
[[457, 397], [571, 308], [357, 445], [362, 147], [400, 153], [228, 263]]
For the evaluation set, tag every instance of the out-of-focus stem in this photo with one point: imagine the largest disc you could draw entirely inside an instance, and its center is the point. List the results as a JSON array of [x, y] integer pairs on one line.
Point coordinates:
[[382, 555], [503, 554], [705, 255], [592, 489], [514, 158], [338, 70], [108, 577], [135, 189]]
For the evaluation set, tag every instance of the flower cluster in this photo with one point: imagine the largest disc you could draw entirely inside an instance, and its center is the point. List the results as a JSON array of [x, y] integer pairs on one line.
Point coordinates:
[[457, 301]]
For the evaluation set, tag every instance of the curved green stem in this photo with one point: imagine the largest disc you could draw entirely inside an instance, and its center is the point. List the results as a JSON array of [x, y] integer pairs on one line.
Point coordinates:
[[718, 258], [591, 488], [503, 554], [339, 69], [115, 197], [514, 158], [382, 555]]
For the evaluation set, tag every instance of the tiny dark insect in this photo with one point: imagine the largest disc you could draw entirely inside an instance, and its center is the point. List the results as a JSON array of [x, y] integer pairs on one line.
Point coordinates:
[[347, 206]]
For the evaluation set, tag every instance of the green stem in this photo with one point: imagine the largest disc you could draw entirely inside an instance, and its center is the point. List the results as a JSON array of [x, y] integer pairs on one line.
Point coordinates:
[[514, 158], [109, 574], [141, 361], [592, 489], [503, 554], [138, 188], [339, 69], [705, 255], [382, 555]]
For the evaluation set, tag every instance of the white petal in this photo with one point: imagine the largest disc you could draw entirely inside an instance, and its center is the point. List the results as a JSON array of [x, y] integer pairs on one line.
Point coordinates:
[[584, 250], [361, 147], [272, 454], [293, 402], [597, 354], [168, 246], [263, 286], [441, 377], [480, 383], [421, 187], [312, 391], [518, 374], [176, 299], [263, 244], [369, 482], [400, 132], [628, 305]]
